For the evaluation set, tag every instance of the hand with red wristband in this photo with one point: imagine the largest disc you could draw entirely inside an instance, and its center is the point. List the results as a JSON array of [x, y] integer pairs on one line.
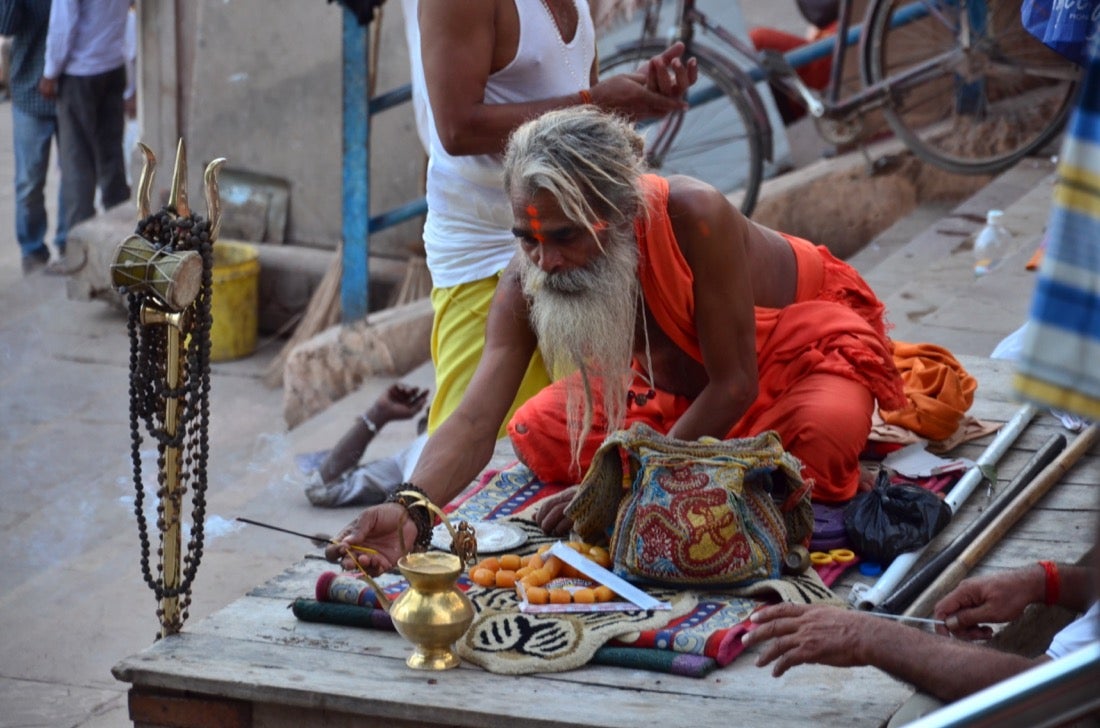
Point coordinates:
[[1053, 582], [992, 599]]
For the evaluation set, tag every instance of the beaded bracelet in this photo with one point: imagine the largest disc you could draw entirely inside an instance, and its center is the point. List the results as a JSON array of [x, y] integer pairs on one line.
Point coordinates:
[[369, 423], [1053, 583], [419, 515]]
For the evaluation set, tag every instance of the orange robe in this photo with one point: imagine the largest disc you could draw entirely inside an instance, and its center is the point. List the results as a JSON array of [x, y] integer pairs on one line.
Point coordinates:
[[822, 362]]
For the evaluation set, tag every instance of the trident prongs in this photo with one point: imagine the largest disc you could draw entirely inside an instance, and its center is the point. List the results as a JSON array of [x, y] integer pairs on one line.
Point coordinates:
[[213, 199], [145, 182], [177, 197]]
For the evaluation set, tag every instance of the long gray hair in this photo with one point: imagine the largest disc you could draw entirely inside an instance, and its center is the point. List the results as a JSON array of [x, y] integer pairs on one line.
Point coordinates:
[[591, 163], [589, 160]]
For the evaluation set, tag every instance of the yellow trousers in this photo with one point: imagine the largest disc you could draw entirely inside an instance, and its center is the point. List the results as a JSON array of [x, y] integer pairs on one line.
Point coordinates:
[[458, 339]]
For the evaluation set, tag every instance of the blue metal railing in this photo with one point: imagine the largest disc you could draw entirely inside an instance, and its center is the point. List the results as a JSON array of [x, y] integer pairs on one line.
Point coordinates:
[[357, 109]]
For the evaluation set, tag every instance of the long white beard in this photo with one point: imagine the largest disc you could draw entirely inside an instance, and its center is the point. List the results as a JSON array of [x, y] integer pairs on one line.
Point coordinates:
[[585, 321]]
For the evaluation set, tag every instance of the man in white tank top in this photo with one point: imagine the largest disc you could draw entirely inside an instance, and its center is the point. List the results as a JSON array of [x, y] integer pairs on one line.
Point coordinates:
[[479, 69]]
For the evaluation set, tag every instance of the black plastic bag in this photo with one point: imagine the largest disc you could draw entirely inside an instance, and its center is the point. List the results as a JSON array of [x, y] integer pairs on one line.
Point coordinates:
[[893, 519]]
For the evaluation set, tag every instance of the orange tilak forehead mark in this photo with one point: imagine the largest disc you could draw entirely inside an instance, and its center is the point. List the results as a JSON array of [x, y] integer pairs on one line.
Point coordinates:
[[536, 224]]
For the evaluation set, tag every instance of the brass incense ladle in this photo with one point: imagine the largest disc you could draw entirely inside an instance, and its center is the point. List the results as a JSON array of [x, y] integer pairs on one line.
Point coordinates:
[[433, 612]]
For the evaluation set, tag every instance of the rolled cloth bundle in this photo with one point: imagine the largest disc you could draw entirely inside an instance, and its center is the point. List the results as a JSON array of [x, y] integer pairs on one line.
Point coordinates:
[[939, 390], [339, 589]]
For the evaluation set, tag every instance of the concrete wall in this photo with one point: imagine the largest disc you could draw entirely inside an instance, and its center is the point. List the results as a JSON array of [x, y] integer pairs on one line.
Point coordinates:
[[260, 84]]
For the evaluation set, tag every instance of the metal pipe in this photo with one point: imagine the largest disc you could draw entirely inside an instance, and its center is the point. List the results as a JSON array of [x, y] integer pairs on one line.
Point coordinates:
[[919, 581], [970, 480], [974, 551]]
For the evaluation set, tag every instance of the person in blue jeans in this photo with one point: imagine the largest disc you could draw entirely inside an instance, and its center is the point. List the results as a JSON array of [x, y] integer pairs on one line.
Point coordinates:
[[85, 70], [34, 127]]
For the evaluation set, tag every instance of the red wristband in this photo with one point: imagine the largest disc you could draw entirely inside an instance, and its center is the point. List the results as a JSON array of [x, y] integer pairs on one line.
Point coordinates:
[[1053, 582], [586, 96]]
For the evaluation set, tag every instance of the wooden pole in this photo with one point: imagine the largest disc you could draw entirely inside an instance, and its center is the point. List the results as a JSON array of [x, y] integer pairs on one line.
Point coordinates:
[[1031, 495]]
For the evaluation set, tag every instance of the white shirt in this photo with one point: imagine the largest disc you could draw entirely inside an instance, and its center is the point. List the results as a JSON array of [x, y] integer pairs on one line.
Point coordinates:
[[86, 37], [468, 230], [1077, 634]]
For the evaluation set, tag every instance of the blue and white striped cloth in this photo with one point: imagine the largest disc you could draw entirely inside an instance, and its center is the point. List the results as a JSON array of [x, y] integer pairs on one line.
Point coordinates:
[[1059, 365]]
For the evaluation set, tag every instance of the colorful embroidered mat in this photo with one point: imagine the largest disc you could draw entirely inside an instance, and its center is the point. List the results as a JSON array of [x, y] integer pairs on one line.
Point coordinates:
[[702, 632]]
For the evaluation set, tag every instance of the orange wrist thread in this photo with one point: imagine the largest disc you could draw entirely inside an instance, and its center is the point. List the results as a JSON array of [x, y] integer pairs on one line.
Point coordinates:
[[1053, 582], [586, 96]]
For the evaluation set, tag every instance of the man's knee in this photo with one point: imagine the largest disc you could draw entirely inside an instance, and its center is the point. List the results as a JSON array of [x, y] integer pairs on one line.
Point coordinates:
[[828, 433]]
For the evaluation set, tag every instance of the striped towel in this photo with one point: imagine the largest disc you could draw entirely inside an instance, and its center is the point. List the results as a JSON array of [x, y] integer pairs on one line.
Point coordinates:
[[1059, 365]]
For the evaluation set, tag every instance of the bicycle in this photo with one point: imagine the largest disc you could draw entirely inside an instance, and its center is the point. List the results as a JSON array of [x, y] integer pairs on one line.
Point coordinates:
[[960, 82]]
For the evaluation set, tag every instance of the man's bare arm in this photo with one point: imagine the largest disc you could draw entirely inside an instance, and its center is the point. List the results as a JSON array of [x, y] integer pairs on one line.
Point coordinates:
[[1003, 596], [712, 235], [949, 669], [458, 46], [461, 447]]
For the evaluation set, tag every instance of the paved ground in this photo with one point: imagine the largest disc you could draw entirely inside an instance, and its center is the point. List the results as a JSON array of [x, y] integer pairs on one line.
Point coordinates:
[[72, 600]]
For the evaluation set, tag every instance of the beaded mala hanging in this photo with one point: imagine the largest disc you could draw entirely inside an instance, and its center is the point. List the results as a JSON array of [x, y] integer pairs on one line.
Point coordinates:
[[166, 272]]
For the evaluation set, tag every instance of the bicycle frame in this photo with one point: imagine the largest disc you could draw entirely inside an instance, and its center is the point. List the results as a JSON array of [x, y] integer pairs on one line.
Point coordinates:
[[1010, 96], [831, 106]]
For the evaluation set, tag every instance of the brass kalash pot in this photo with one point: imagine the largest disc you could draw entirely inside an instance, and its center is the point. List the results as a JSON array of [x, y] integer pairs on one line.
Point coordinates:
[[433, 613]]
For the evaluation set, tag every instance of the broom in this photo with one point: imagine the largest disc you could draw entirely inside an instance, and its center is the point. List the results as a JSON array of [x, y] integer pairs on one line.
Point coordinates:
[[322, 311]]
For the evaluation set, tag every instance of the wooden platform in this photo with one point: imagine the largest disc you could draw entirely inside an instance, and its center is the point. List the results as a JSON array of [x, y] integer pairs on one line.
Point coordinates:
[[254, 664]]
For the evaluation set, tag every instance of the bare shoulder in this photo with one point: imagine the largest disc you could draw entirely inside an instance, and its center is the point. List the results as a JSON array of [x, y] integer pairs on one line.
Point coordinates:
[[688, 196], [714, 235], [457, 16], [702, 217]]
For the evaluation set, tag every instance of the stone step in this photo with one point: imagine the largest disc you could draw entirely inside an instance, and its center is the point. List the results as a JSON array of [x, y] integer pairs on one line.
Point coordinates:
[[927, 281]]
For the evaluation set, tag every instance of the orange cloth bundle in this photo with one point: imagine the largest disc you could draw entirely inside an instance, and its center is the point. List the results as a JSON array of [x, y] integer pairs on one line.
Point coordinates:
[[939, 391]]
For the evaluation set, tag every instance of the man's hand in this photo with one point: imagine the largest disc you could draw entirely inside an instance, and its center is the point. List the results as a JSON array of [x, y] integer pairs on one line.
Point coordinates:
[[400, 402], [999, 597], [656, 88], [551, 513], [375, 528], [48, 87], [797, 634], [668, 74]]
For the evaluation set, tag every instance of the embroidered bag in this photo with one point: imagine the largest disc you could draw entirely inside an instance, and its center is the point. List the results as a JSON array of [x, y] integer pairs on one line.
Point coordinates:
[[693, 513]]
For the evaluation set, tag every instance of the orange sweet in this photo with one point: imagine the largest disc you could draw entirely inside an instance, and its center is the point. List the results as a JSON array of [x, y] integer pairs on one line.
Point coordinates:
[[601, 556], [535, 571], [483, 576], [560, 596], [490, 562]]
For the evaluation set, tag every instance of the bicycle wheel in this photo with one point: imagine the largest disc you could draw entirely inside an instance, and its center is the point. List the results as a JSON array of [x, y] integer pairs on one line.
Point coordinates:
[[988, 92], [715, 140]]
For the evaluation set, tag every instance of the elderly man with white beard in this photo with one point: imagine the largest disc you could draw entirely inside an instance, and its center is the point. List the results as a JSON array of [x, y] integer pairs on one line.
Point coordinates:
[[652, 300]]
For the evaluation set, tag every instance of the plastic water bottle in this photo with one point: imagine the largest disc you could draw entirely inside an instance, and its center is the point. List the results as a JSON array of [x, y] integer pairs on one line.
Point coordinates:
[[992, 244]]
